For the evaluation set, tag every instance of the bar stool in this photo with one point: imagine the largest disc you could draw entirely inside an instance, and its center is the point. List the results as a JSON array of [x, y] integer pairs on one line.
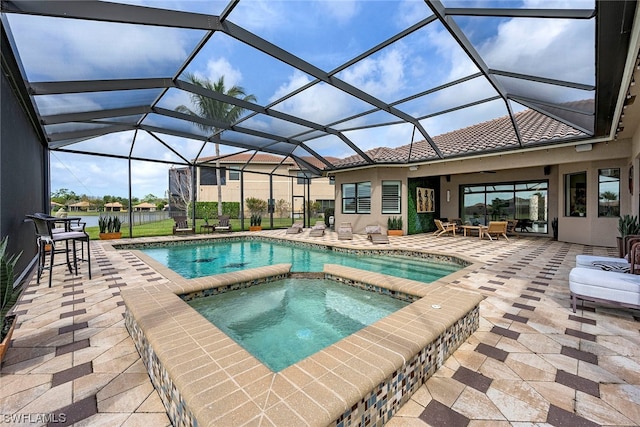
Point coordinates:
[[45, 235]]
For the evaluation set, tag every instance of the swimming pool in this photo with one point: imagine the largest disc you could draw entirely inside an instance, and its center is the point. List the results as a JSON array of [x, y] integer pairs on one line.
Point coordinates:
[[205, 259], [283, 322]]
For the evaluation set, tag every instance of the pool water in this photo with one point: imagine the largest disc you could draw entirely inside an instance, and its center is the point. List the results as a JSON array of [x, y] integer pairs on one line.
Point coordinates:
[[283, 322], [205, 259]]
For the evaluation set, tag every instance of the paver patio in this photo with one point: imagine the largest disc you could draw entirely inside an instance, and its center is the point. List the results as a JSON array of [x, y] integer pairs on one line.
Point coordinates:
[[532, 361]]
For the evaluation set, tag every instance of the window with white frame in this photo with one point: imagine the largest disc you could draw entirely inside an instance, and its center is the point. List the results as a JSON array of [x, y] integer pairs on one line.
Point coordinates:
[[609, 192], [234, 173], [391, 197]]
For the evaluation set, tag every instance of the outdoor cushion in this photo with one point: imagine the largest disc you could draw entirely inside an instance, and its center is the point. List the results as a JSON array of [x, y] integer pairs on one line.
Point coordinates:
[[604, 286], [603, 263]]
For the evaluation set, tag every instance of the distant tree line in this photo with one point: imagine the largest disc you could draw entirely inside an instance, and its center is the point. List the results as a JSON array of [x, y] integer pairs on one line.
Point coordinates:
[[67, 197]]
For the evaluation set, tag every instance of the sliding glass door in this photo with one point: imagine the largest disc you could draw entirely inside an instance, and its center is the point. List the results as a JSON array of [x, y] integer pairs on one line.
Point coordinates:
[[525, 201]]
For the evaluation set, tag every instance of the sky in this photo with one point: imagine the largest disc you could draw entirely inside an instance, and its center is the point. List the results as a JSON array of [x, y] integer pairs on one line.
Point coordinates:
[[324, 33]]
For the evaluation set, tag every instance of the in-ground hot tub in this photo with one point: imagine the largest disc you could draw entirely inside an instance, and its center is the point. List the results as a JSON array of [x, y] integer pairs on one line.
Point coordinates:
[[285, 321], [204, 377]]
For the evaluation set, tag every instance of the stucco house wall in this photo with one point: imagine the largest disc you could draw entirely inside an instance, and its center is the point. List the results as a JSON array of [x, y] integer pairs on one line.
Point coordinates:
[[540, 164]]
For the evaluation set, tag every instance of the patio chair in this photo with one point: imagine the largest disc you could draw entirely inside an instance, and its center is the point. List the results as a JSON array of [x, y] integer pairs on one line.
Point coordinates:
[[345, 231], [181, 226], [296, 228], [444, 228], [46, 237], [511, 227], [524, 225], [458, 223], [318, 229], [628, 242], [223, 224], [495, 228], [374, 233]]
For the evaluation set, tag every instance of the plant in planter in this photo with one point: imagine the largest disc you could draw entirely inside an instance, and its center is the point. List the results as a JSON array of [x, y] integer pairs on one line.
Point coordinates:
[[255, 223], [8, 296], [394, 226], [109, 227], [627, 225]]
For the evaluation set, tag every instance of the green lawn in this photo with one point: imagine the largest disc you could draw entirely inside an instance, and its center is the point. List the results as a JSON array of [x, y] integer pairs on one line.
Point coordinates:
[[165, 227]]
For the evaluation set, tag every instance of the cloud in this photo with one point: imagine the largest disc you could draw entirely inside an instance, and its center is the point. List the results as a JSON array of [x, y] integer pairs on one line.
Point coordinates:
[[544, 48], [98, 176], [312, 103], [341, 11], [97, 49], [221, 67], [382, 76], [388, 136], [409, 12]]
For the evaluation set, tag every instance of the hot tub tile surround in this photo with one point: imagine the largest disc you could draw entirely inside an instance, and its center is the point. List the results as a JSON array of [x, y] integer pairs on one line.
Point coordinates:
[[205, 378]]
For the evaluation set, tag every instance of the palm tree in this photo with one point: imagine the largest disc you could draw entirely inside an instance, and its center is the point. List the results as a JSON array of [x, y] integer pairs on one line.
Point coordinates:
[[208, 108]]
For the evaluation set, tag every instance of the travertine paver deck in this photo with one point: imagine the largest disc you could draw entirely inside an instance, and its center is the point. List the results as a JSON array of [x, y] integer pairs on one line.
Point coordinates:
[[532, 360]]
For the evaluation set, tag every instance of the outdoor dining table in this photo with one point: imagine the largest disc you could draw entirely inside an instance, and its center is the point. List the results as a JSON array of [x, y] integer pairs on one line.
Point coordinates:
[[473, 227]]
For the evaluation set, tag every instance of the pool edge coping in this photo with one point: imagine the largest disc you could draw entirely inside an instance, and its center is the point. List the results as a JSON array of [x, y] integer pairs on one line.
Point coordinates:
[[292, 388]]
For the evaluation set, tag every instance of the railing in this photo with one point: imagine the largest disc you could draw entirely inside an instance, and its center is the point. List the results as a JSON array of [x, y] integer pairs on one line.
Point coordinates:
[[140, 217]]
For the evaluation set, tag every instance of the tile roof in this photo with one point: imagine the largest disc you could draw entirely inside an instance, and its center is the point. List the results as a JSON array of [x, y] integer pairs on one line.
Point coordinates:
[[496, 134], [264, 158], [245, 157]]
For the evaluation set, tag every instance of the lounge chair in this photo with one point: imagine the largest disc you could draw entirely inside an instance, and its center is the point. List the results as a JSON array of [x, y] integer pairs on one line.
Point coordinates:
[[495, 228], [296, 228], [604, 287], [181, 226], [345, 231], [512, 224], [375, 234], [444, 228], [223, 224], [318, 229]]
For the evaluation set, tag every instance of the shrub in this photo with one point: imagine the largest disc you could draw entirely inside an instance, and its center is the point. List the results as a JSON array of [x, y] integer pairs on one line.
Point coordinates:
[[256, 206]]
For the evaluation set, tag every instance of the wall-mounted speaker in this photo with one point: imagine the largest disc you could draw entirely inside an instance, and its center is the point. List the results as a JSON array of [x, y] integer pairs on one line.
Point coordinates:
[[448, 177], [547, 170]]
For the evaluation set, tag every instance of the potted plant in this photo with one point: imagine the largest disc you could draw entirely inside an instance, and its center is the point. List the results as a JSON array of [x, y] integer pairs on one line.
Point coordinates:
[[627, 225], [394, 226], [8, 296], [255, 223], [109, 227]]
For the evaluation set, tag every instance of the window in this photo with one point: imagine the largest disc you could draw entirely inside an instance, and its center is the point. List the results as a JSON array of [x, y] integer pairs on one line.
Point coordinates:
[[391, 197], [525, 201], [609, 192], [208, 176], [356, 198], [326, 204], [303, 178], [575, 194], [234, 173]]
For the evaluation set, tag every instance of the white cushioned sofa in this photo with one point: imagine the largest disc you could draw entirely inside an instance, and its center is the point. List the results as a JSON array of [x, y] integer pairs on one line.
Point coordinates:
[[610, 287]]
